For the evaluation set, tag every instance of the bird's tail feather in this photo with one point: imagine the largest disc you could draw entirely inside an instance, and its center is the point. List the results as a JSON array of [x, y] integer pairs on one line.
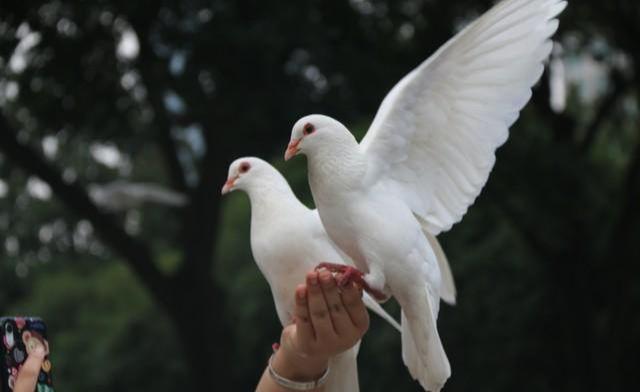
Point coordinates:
[[343, 373], [447, 286], [422, 349], [379, 310]]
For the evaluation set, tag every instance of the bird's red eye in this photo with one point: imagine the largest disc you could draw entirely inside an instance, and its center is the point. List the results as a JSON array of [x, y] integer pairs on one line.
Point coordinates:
[[244, 167], [308, 129]]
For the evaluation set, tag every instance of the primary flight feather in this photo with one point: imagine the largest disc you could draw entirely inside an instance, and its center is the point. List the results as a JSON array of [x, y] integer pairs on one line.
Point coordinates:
[[423, 162]]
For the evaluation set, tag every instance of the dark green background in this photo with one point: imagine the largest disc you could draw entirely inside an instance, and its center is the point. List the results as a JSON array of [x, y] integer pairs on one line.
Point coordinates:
[[546, 261]]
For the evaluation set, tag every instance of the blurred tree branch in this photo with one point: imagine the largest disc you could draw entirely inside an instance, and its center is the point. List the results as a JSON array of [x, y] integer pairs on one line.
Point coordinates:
[[201, 221], [195, 296], [153, 73], [186, 295], [162, 123], [76, 199]]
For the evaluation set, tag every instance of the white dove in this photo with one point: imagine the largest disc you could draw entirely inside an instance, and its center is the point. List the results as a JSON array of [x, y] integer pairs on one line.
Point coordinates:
[[424, 160], [288, 241]]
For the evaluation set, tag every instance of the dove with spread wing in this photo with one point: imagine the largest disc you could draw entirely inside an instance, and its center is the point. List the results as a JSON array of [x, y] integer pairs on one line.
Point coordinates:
[[423, 162]]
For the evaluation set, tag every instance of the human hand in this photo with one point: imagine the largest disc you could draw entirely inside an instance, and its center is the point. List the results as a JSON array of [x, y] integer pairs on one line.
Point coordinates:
[[327, 321], [29, 372]]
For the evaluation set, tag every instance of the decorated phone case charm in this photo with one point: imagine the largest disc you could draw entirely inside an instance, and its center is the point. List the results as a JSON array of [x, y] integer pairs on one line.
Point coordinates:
[[20, 337]]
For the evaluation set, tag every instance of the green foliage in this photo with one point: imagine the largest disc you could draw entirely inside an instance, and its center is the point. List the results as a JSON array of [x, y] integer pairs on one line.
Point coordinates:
[[106, 334]]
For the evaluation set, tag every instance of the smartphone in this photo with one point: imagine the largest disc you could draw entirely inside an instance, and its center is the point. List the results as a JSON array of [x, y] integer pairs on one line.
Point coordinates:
[[20, 337]]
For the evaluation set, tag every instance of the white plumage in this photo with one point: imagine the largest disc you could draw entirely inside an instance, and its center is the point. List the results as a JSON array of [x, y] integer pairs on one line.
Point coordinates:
[[423, 162], [288, 241]]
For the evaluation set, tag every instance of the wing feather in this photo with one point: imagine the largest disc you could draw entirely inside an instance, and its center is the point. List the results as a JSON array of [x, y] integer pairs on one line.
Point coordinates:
[[434, 137]]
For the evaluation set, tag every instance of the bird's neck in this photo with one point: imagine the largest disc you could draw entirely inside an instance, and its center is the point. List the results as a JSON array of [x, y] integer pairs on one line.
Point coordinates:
[[336, 171], [272, 198]]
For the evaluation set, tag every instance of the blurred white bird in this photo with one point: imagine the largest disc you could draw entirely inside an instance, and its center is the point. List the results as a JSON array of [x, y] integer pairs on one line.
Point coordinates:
[[123, 195], [288, 241], [424, 160]]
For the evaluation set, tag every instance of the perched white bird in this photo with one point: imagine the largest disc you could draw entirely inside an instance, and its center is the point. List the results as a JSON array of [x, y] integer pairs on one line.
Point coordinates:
[[288, 241], [424, 160]]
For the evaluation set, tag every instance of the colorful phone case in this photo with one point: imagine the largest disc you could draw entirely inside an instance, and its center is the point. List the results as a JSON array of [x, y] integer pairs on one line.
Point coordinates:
[[20, 336]]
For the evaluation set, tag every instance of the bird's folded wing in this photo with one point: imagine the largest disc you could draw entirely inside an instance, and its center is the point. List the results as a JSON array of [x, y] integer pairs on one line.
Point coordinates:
[[434, 137]]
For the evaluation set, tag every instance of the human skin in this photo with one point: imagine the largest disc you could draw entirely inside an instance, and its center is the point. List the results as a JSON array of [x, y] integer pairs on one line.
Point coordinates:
[[327, 321], [28, 375]]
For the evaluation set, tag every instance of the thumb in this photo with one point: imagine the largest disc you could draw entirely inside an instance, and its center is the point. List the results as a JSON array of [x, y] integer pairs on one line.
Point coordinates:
[[28, 375]]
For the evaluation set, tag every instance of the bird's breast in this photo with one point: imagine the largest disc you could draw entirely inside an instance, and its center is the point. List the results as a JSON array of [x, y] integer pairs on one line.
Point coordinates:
[[344, 224], [371, 229]]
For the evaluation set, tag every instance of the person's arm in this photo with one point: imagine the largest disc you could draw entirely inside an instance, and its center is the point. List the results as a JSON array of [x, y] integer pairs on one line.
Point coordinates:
[[29, 372], [327, 321]]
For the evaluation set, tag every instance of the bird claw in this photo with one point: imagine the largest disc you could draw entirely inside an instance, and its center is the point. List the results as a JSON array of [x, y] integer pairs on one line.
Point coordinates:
[[352, 275], [333, 267]]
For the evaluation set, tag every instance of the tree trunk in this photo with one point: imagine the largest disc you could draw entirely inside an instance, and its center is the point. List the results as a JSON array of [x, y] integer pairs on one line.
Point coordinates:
[[197, 309]]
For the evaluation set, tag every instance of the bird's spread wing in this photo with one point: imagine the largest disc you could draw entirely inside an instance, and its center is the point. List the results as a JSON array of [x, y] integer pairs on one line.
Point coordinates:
[[434, 137]]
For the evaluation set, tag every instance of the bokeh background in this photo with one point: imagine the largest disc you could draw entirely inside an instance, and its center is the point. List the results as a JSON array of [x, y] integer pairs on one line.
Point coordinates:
[[118, 120]]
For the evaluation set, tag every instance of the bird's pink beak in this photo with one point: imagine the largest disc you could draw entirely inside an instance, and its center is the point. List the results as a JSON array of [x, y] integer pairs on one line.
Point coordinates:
[[228, 186], [292, 149]]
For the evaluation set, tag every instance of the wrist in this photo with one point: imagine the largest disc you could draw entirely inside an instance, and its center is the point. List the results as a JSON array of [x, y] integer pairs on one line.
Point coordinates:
[[298, 367]]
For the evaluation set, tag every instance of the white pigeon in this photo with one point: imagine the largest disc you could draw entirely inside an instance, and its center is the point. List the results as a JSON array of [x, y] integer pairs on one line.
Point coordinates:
[[288, 241], [424, 160]]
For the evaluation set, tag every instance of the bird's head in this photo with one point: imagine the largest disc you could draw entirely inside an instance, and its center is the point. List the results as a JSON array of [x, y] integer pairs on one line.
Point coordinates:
[[243, 172], [314, 133]]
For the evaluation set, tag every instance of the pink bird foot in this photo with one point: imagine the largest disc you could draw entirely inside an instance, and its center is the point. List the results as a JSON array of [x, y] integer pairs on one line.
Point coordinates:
[[351, 274]]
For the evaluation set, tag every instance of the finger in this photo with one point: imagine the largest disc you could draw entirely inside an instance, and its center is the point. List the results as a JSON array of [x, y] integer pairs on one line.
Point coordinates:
[[28, 375], [352, 300], [339, 317], [304, 328], [318, 309]]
